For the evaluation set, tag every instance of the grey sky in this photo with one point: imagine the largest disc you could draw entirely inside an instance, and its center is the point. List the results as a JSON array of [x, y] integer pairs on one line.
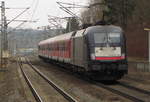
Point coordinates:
[[44, 8]]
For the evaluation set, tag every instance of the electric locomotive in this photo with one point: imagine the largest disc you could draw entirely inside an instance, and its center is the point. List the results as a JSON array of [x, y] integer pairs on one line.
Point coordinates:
[[107, 52], [98, 51]]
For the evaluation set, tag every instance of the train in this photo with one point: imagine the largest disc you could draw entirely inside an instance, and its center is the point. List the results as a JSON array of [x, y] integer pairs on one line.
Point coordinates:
[[97, 51]]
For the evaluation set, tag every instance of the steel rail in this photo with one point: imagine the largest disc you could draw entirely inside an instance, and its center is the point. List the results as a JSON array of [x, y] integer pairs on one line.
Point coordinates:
[[56, 87], [120, 93], [131, 97], [134, 88], [34, 92], [137, 79], [113, 90]]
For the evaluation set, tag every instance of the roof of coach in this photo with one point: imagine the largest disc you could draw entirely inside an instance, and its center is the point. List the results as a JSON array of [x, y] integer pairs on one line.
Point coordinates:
[[111, 28], [62, 37], [79, 33]]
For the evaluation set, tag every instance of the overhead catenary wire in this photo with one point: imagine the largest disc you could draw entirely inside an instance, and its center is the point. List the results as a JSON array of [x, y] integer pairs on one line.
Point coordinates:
[[73, 4], [18, 15], [34, 10], [66, 9], [16, 27]]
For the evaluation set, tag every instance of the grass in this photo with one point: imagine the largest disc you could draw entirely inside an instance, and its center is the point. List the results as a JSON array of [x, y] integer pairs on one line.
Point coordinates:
[[136, 59], [2, 78]]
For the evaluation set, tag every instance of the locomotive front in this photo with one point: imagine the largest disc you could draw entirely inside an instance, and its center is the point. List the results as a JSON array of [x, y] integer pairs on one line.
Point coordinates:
[[107, 51]]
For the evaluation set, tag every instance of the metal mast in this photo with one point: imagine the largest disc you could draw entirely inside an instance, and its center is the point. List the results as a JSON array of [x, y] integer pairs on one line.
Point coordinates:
[[3, 32]]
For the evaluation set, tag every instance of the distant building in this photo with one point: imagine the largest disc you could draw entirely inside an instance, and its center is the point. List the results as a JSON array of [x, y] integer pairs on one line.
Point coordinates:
[[137, 42]]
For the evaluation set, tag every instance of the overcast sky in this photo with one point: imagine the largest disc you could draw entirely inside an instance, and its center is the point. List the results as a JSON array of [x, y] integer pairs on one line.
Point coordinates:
[[40, 9]]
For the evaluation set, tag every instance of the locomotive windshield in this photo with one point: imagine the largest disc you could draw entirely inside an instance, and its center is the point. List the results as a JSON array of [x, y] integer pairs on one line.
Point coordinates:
[[114, 37], [100, 37], [107, 38]]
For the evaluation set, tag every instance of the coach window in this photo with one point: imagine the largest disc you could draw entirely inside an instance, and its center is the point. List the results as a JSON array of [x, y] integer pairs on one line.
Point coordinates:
[[48, 47], [66, 46], [51, 47], [63, 46], [57, 46]]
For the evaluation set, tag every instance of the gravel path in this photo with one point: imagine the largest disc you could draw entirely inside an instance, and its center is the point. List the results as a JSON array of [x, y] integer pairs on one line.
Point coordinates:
[[12, 86]]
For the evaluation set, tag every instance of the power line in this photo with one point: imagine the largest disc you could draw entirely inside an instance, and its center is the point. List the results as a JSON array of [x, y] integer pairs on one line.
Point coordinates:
[[18, 16], [32, 3], [14, 8], [75, 5], [16, 27], [36, 5], [67, 10]]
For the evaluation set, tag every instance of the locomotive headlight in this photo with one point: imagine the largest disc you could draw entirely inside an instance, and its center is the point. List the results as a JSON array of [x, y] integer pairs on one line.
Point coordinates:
[[93, 56], [123, 56]]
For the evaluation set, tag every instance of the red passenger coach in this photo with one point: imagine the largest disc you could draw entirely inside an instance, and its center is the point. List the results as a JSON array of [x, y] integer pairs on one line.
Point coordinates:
[[57, 48]]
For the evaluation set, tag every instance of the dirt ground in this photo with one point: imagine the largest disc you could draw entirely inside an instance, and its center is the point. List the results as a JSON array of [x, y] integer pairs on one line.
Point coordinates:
[[79, 89], [135, 73], [14, 89], [137, 78], [12, 86]]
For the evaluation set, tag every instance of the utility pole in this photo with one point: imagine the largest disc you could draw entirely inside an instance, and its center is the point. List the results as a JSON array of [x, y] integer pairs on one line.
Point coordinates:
[[4, 24], [124, 14], [3, 32]]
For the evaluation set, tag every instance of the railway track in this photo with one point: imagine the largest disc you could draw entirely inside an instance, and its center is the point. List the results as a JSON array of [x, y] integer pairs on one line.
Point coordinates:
[[134, 88], [51, 83], [137, 80], [130, 92], [122, 89], [33, 90]]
